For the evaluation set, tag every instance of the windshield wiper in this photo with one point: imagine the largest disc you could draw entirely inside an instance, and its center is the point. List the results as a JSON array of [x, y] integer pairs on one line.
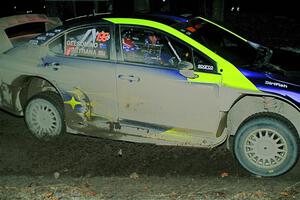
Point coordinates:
[[263, 56]]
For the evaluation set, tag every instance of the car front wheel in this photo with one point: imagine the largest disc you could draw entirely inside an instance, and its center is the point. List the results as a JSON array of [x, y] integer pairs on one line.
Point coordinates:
[[44, 115], [266, 146]]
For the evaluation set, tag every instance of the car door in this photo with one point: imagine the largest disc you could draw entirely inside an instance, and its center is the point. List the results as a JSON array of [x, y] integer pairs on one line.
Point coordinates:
[[81, 63], [151, 89]]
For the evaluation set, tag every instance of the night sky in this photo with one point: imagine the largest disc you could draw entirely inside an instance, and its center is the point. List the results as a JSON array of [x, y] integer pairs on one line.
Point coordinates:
[[283, 8], [274, 23]]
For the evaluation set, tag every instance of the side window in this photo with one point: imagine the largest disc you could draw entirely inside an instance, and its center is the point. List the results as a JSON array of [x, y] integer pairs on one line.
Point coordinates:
[[146, 46], [57, 46], [92, 42], [182, 52], [203, 64]]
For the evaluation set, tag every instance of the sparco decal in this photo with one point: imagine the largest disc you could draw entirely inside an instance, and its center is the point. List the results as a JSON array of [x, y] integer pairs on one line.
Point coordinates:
[[276, 84], [206, 67]]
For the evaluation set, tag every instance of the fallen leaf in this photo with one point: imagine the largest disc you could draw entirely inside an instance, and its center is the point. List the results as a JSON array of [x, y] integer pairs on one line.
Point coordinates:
[[259, 194], [173, 194], [242, 195], [224, 174], [65, 170], [56, 175], [120, 153], [146, 189], [91, 193], [220, 194], [284, 193], [49, 194], [86, 184], [134, 176]]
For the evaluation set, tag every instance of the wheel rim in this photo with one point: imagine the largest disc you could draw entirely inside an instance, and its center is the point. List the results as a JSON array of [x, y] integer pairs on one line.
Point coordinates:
[[43, 118], [265, 148]]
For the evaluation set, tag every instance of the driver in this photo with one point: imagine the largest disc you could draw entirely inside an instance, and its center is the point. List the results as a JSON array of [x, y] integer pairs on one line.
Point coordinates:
[[156, 51], [153, 49]]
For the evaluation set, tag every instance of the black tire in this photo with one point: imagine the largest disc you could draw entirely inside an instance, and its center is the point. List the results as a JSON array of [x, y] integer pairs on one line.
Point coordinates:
[[44, 115], [267, 145]]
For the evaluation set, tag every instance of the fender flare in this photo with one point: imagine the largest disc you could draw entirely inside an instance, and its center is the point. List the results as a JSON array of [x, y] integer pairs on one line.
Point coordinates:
[[249, 105]]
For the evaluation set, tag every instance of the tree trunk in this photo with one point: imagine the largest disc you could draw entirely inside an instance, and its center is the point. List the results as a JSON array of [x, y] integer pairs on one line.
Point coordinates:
[[218, 10], [141, 6]]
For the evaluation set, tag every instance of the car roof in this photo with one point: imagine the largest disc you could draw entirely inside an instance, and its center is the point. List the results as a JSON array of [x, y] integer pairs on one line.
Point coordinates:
[[91, 19], [97, 18]]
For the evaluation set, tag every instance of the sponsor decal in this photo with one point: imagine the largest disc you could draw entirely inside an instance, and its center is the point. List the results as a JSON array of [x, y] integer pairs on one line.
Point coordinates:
[[82, 44], [191, 29], [276, 84], [79, 103], [50, 34], [57, 30], [102, 46], [205, 67], [34, 42], [186, 32], [43, 38]]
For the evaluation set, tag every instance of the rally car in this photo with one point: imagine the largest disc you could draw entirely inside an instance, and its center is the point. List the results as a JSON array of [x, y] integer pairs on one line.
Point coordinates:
[[155, 79]]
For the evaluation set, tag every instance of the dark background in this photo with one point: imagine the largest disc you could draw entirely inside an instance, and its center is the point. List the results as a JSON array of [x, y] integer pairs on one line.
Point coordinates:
[[272, 23], [288, 8]]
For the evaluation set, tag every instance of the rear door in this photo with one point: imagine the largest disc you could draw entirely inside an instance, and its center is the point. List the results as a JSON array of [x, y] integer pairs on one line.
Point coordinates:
[[81, 62]]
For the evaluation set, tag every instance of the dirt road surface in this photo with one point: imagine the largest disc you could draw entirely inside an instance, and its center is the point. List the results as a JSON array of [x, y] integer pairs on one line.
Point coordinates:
[[79, 167]]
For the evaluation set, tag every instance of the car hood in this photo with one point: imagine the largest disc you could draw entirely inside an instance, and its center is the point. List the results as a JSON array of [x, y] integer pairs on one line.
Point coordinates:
[[287, 60], [288, 77]]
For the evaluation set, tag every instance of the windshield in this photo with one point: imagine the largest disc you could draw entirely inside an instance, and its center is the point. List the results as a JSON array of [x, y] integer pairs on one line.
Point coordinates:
[[234, 49]]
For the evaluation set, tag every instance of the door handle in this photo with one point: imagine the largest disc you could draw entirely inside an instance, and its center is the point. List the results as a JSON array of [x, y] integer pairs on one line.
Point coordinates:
[[130, 78]]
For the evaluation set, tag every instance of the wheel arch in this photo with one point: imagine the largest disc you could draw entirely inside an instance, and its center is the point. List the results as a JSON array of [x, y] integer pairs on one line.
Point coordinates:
[[253, 105], [32, 85]]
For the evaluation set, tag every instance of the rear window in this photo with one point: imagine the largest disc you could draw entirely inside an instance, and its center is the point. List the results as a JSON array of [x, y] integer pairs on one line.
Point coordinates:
[[21, 34], [25, 29]]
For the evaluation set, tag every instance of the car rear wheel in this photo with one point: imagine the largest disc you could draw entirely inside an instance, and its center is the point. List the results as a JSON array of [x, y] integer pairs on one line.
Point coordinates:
[[267, 146], [44, 115]]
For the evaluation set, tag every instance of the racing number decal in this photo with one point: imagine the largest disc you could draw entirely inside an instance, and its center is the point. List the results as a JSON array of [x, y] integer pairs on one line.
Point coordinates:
[[102, 37]]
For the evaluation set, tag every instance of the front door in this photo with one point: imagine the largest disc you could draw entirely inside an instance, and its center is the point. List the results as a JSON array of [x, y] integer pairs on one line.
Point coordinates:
[[151, 89]]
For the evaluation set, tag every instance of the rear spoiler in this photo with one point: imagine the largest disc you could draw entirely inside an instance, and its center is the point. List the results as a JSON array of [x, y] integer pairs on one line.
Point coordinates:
[[11, 21]]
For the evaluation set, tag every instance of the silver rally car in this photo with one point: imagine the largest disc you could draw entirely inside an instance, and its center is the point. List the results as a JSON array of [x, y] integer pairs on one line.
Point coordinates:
[[155, 79]]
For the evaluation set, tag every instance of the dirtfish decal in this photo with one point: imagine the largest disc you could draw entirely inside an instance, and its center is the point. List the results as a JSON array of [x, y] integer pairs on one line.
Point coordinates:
[[276, 84]]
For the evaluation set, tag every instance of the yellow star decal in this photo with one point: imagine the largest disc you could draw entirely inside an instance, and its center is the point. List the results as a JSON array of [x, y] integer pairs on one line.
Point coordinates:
[[73, 102]]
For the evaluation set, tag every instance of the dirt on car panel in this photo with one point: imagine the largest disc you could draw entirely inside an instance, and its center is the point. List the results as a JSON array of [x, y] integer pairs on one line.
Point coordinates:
[[5, 95], [9, 97], [21, 153], [257, 104]]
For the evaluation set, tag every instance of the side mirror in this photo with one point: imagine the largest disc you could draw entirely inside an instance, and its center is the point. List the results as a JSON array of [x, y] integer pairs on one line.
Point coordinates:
[[187, 69]]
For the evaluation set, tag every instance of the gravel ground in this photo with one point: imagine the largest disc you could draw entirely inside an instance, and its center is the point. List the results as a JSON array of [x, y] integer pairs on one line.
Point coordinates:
[[79, 167]]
